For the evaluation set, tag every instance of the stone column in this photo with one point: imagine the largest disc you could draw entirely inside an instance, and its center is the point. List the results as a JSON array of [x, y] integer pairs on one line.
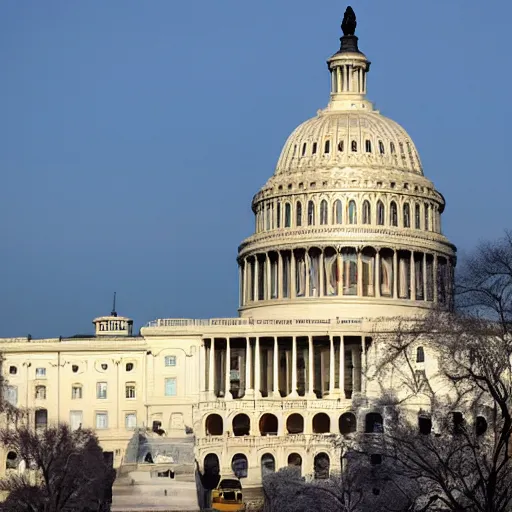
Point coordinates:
[[356, 370], [413, 277], [268, 294], [257, 369], [339, 262], [249, 392], [306, 261], [202, 370], [331, 368], [377, 273], [279, 275], [321, 274], [359, 273], [425, 286], [293, 277], [435, 278], [275, 369], [293, 392], [363, 363], [311, 369], [227, 381], [211, 370], [395, 274], [245, 297], [256, 278], [342, 367], [340, 83]]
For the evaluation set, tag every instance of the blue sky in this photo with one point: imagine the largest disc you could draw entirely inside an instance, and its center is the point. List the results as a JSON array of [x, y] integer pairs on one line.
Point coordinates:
[[135, 133]]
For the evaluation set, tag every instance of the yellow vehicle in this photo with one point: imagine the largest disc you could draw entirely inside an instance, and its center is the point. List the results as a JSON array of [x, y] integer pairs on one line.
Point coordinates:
[[227, 496]]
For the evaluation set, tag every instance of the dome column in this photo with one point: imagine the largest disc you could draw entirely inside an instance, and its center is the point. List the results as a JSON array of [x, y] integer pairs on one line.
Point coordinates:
[[436, 277], [377, 272], [413, 277], [342, 367], [279, 275], [331, 367], [321, 272], [395, 273], [339, 262], [425, 283], [244, 287], [359, 272], [211, 370], [268, 294], [306, 262], [275, 369], [257, 369], [293, 277], [227, 376], [293, 393], [249, 392], [256, 278]]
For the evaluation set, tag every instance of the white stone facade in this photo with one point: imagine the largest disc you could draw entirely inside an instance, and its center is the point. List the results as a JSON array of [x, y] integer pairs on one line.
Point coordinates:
[[347, 233]]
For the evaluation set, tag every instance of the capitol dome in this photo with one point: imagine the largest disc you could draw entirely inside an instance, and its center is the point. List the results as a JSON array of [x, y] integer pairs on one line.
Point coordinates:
[[348, 225]]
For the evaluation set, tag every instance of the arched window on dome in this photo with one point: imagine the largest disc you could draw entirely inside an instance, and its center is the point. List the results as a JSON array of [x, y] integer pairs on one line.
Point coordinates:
[[381, 147], [426, 217], [352, 212], [304, 146], [367, 212], [393, 214], [401, 146], [407, 215], [311, 213], [368, 145], [337, 212], [323, 212], [313, 151], [354, 146], [341, 146], [417, 217], [287, 215], [278, 215], [268, 217], [380, 213], [392, 148], [327, 147], [298, 211]]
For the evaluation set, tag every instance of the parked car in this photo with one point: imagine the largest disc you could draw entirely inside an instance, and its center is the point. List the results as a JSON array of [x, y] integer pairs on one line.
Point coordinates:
[[227, 496]]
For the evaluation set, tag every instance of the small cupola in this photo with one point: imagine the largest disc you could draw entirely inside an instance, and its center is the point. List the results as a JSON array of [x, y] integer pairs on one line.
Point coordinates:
[[113, 325], [348, 68]]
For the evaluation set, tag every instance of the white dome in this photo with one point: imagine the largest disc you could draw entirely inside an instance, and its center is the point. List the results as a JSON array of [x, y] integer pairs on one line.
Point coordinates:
[[341, 138]]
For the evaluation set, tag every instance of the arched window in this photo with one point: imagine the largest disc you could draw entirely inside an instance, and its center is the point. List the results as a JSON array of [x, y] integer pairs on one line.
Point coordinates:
[[338, 212], [321, 466], [327, 146], [367, 212], [380, 213], [354, 146], [287, 215], [268, 464], [420, 355], [278, 212], [424, 425], [426, 217], [374, 423], [311, 213], [12, 460], [407, 216], [348, 423], [298, 212], [268, 425], [313, 151], [480, 425], [323, 212], [381, 147], [214, 425], [321, 423], [368, 146], [401, 146], [393, 214], [239, 465], [392, 148], [417, 217], [352, 212], [295, 462], [341, 146], [241, 425], [304, 149], [41, 392], [295, 424]]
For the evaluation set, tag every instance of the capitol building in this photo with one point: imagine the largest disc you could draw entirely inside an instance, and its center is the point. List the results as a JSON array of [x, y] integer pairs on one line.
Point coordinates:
[[347, 238]]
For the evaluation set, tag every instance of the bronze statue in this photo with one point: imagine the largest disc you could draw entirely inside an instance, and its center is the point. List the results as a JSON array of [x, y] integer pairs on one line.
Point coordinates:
[[349, 22]]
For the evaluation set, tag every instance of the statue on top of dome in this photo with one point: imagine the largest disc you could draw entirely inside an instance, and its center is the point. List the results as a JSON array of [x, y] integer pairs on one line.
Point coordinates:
[[349, 23]]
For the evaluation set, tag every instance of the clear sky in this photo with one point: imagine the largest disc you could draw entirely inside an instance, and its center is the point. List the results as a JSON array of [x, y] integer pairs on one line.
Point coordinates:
[[135, 133]]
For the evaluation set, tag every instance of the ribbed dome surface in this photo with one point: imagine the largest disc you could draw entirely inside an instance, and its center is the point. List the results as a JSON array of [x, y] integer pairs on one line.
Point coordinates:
[[344, 138]]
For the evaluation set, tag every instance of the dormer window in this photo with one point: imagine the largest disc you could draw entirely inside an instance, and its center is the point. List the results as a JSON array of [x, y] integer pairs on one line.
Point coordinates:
[[327, 147], [341, 146], [368, 146], [381, 147], [392, 148], [354, 146]]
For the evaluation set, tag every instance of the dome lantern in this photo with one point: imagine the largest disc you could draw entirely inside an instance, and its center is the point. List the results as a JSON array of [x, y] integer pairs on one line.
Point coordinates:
[[348, 68]]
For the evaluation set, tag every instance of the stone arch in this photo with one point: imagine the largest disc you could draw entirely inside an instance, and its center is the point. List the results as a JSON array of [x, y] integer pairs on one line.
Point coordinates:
[[348, 423], [321, 423], [240, 465], [374, 423], [322, 465], [295, 461], [11, 461], [268, 424], [295, 424], [241, 425], [211, 471], [268, 464], [214, 425]]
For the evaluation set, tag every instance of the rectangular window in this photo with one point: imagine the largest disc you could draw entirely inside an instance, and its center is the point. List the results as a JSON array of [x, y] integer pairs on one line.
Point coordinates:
[[170, 360], [170, 387], [40, 373], [11, 395], [130, 420], [76, 392], [101, 420], [101, 390], [75, 419], [40, 392], [130, 390]]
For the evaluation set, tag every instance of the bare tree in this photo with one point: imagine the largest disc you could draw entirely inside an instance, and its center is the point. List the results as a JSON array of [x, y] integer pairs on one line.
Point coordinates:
[[67, 471]]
